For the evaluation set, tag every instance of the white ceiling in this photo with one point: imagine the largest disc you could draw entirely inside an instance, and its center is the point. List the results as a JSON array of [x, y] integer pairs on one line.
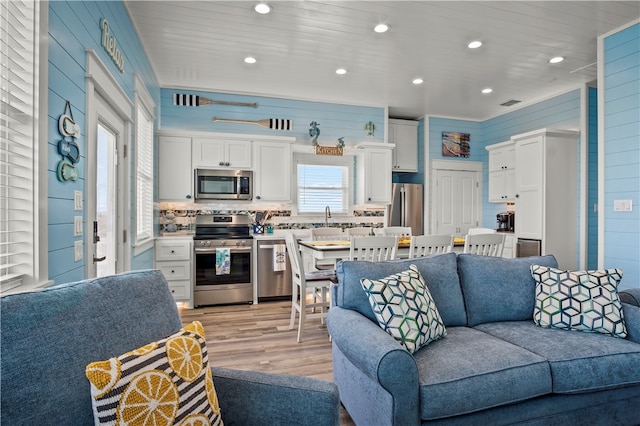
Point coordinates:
[[200, 45]]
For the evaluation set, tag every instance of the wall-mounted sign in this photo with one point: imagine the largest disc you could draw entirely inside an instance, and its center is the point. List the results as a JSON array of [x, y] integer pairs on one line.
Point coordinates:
[[68, 149], [329, 150], [66, 171], [110, 45]]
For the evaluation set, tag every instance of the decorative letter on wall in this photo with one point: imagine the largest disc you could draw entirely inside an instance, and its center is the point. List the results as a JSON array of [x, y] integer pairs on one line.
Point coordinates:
[[110, 45]]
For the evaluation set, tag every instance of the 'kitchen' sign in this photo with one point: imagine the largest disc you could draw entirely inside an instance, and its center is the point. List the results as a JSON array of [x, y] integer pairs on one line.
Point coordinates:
[[110, 45]]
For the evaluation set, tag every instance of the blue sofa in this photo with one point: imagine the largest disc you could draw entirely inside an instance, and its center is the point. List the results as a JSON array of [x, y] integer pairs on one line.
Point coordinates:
[[49, 337], [494, 366]]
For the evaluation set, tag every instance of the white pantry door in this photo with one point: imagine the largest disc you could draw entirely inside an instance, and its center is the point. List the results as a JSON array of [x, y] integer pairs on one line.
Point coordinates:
[[456, 201]]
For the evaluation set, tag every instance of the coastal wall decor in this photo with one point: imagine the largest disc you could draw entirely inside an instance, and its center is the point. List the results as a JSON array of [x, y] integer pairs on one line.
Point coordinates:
[[183, 99], [455, 144], [269, 123], [314, 132], [68, 149], [110, 45], [331, 150], [370, 128]]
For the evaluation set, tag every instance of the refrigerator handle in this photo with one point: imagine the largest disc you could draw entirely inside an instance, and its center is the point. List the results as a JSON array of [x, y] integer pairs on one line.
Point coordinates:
[[403, 208]]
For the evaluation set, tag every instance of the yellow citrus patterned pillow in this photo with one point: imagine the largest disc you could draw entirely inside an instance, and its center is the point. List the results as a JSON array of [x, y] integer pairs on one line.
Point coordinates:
[[167, 382]]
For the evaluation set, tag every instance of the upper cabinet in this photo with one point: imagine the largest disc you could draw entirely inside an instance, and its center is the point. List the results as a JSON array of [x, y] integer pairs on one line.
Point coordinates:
[[221, 153], [272, 171], [373, 171], [404, 134], [502, 170], [175, 177]]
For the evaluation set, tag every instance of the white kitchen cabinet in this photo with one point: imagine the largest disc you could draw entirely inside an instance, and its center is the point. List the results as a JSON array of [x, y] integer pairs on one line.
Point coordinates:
[[502, 163], [373, 173], [221, 153], [404, 134], [175, 176], [272, 171], [547, 192], [173, 259]]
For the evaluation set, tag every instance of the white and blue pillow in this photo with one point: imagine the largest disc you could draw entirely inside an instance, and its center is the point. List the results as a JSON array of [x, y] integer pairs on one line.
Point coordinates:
[[404, 308]]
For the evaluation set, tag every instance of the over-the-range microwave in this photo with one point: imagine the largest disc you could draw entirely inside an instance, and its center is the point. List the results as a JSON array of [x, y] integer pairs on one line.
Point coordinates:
[[223, 184]]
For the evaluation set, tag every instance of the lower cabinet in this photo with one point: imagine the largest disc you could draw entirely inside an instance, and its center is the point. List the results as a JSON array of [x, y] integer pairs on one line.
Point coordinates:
[[173, 259]]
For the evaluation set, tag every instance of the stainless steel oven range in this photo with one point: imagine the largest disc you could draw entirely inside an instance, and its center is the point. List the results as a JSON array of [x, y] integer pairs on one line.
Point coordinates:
[[228, 237]]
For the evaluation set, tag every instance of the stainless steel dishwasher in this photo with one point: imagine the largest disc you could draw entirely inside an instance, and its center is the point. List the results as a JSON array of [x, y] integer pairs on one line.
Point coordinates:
[[272, 284]]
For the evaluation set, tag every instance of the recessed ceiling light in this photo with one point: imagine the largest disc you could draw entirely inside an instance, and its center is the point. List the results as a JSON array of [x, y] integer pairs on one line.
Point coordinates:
[[250, 60], [341, 71], [474, 44], [262, 8], [556, 60], [487, 90], [417, 81], [381, 28]]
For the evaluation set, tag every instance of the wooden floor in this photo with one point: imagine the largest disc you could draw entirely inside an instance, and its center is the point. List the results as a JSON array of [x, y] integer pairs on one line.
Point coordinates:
[[257, 338]]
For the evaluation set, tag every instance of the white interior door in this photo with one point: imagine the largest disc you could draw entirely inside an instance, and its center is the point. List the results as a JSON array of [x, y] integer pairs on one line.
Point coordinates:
[[104, 203], [456, 201]]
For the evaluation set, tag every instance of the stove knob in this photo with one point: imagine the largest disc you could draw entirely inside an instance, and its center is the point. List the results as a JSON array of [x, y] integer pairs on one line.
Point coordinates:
[[208, 243]]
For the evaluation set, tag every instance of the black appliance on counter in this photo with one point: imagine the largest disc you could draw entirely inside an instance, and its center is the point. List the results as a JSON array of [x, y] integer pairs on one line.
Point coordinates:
[[215, 232], [506, 221]]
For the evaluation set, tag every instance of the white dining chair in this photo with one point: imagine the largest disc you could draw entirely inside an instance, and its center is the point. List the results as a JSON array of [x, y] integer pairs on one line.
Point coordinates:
[[314, 285], [374, 249], [359, 231], [327, 234], [484, 244], [476, 231], [423, 245], [397, 231]]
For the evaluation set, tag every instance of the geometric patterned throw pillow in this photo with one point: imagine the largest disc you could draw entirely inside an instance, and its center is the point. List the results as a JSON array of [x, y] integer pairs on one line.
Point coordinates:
[[405, 309], [167, 382], [578, 300]]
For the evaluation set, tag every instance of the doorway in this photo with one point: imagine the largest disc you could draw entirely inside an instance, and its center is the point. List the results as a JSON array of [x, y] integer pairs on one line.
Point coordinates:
[[106, 197], [457, 197]]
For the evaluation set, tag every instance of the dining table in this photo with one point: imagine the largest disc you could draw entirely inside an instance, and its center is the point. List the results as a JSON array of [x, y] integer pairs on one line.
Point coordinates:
[[339, 249]]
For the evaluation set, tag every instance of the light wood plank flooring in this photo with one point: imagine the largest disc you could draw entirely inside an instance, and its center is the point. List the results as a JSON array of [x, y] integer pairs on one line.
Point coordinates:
[[257, 338]]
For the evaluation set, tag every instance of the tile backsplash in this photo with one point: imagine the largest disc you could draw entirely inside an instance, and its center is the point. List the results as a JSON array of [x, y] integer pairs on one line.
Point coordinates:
[[183, 215]]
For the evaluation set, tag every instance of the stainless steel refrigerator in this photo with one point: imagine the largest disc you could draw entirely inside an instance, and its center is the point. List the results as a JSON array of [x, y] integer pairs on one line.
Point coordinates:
[[406, 207]]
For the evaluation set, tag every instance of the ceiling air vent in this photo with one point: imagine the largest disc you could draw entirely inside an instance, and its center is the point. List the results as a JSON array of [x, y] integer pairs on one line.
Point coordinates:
[[510, 102]]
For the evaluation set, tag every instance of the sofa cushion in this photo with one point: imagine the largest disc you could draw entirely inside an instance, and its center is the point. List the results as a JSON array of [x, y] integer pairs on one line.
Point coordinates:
[[497, 289], [58, 323], [580, 362], [164, 382], [405, 309], [439, 272], [470, 371], [579, 300]]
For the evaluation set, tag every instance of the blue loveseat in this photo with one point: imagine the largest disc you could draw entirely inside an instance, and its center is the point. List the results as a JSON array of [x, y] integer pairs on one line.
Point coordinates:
[[494, 366], [49, 337]]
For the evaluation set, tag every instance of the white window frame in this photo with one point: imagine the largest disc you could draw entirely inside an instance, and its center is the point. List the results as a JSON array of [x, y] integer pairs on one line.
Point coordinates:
[[339, 161], [34, 270], [143, 167]]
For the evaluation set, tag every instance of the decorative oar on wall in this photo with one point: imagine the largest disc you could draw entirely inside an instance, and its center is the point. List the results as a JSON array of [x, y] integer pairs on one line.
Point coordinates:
[[269, 123], [183, 99]]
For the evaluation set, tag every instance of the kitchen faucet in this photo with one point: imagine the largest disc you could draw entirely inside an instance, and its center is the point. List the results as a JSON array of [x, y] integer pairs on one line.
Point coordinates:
[[327, 215]]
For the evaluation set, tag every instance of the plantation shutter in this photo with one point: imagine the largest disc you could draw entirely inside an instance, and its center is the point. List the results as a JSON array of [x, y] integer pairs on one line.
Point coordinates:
[[18, 151], [144, 169]]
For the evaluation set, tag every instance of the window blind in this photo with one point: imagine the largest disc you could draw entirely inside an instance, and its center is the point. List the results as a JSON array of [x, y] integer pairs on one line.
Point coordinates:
[[144, 176], [18, 153], [322, 185]]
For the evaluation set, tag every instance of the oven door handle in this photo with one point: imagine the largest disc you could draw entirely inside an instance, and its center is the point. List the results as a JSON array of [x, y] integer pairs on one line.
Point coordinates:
[[231, 249]]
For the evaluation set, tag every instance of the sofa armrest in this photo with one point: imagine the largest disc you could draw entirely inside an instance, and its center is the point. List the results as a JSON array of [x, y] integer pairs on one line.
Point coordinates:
[[380, 357], [630, 296], [254, 398], [632, 321]]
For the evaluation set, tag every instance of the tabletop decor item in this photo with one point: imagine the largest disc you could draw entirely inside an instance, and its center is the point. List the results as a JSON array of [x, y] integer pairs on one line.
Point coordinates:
[[370, 128]]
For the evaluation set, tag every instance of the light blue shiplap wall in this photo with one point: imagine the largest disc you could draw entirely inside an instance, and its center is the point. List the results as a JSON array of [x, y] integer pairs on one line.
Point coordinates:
[[74, 28], [592, 177], [335, 120], [622, 153]]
